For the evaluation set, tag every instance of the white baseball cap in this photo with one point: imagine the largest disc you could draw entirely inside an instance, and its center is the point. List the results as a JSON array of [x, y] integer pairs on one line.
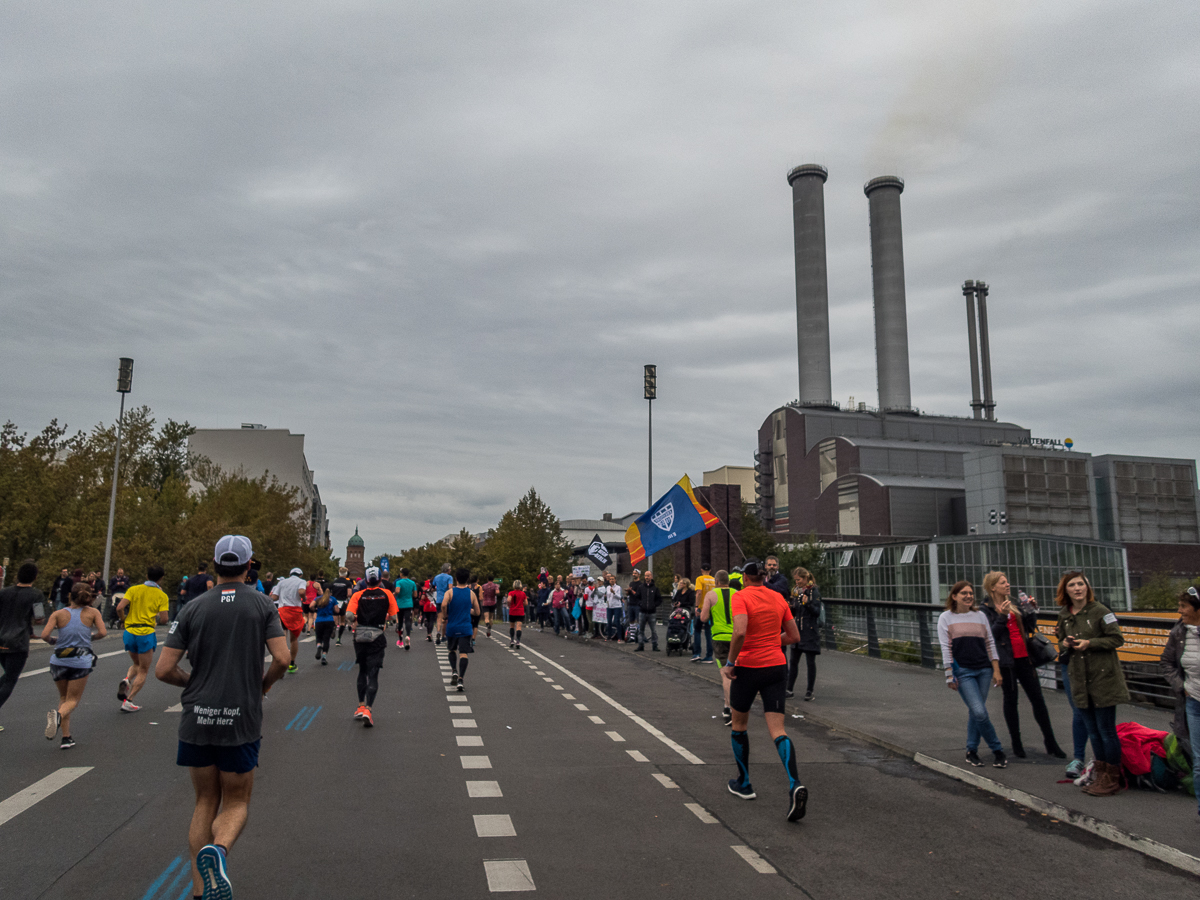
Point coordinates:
[[296, 571], [233, 550], [372, 574]]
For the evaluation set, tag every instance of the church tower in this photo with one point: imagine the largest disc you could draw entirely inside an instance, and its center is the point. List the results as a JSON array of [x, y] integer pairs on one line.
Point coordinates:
[[355, 548]]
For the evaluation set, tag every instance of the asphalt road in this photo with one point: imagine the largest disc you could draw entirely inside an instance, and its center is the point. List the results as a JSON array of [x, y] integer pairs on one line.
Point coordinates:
[[577, 772]]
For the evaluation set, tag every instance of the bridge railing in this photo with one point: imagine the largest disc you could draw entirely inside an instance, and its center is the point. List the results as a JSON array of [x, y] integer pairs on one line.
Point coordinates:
[[907, 632]]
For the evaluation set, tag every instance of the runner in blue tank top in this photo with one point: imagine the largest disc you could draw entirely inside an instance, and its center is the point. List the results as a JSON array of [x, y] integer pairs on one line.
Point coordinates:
[[458, 605]]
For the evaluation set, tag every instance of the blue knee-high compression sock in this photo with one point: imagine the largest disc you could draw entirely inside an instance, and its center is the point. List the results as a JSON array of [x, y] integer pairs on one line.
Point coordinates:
[[787, 753], [741, 755]]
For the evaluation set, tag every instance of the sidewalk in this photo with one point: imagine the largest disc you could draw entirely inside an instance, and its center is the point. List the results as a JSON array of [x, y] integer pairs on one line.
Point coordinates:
[[910, 711]]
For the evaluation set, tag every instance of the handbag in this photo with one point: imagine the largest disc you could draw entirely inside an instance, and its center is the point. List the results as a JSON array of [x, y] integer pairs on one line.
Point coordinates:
[[1041, 651]]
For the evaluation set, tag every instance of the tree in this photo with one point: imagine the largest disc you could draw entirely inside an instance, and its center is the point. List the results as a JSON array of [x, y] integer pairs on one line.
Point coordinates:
[[810, 555], [465, 554], [1161, 592], [527, 537], [757, 542]]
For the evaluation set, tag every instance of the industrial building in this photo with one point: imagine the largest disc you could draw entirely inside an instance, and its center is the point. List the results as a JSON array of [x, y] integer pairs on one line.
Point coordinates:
[[872, 475], [253, 451]]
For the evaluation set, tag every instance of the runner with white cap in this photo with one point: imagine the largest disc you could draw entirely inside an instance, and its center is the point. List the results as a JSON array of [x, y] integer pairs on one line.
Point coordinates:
[[288, 595], [370, 611]]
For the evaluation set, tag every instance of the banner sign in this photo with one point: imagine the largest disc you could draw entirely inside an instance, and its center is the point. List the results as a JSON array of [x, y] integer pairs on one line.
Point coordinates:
[[598, 553], [580, 571], [383, 565], [675, 516]]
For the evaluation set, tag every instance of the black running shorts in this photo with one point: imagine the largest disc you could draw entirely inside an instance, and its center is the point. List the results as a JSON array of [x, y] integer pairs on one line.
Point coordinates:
[[459, 643], [516, 617], [748, 683]]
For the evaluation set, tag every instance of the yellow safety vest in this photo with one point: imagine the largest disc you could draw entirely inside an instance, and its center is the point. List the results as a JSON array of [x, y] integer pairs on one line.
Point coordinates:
[[720, 616]]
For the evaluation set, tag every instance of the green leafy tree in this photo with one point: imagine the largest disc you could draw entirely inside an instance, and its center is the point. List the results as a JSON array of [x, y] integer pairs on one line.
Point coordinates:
[[1161, 592], [425, 561], [464, 554], [527, 537]]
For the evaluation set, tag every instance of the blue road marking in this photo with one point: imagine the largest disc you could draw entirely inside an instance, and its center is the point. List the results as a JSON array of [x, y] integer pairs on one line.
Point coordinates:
[[310, 718], [345, 667], [184, 870], [187, 892], [161, 879], [303, 710]]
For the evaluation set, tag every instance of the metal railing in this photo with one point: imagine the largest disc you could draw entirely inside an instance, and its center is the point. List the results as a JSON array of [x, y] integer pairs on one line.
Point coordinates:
[[907, 632]]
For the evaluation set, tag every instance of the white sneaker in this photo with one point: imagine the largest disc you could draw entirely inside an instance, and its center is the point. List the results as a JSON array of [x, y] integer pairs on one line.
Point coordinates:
[[53, 720], [128, 706]]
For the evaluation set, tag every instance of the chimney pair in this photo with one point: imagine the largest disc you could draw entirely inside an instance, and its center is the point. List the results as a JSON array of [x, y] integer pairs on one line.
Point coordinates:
[[812, 289], [976, 293]]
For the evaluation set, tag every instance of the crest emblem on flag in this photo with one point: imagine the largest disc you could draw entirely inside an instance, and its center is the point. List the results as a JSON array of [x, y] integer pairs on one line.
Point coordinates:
[[664, 517]]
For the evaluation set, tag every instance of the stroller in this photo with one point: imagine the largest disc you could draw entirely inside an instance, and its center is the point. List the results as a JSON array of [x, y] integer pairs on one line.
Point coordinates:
[[679, 631]]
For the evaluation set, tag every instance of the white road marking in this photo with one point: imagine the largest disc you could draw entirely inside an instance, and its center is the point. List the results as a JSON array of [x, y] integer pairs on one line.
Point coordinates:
[[494, 826], [457, 699], [638, 755], [759, 864], [46, 669], [469, 740], [465, 723], [39, 790], [451, 688], [538, 672], [178, 707], [581, 707], [460, 710], [475, 762], [568, 696], [445, 681], [705, 816], [483, 789], [508, 875], [678, 748], [596, 720], [557, 687], [547, 678], [665, 781], [615, 736]]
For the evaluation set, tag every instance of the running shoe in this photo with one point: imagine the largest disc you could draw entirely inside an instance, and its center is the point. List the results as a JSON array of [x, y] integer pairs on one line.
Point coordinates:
[[727, 716], [127, 706], [999, 760], [318, 653], [512, 645], [695, 659], [973, 758], [367, 721], [461, 687], [1075, 768], [707, 662], [789, 693], [210, 862], [53, 720], [67, 743], [123, 690], [797, 803], [738, 790], [453, 679], [407, 644], [292, 669], [324, 661], [808, 695], [338, 642], [358, 713]]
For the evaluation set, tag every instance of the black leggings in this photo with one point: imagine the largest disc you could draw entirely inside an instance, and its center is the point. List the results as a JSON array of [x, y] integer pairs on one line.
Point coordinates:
[[794, 667], [12, 663], [1023, 672], [324, 633], [404, 622], [369, 664]]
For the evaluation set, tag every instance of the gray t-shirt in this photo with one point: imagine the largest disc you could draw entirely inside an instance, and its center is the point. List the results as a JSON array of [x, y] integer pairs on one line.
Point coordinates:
[[224, 632]]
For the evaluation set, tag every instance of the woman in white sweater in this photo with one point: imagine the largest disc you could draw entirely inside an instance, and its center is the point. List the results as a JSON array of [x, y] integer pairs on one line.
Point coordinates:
[[972, 666]]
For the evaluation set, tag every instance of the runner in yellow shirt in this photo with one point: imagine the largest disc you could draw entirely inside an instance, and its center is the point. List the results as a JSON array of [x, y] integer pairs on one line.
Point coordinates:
[[704, 584], [143, 607]]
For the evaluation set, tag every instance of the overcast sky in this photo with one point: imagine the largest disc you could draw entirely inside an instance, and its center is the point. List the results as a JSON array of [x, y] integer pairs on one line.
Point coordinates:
[[441, 239]]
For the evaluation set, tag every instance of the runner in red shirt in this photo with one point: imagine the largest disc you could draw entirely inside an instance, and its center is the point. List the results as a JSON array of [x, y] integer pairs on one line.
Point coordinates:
[[762, 626], [516, 614]]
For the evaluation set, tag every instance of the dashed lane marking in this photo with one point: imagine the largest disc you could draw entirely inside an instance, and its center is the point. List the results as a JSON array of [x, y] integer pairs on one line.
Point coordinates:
[[475, 762], [665, 781], [508, 875], [638, 755], [568, 696], [705, 816], [581, 707], [678, 748], [457, 699], [596, 720], [460, 710], [757, 863], [557, 687], [469, 740], [40, 790], [615, 736], [178, 707], [494, 826], [483, 789], [464, 723]]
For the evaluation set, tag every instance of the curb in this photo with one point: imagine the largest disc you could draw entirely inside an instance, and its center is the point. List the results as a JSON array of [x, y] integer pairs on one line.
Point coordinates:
[[1146, 846]]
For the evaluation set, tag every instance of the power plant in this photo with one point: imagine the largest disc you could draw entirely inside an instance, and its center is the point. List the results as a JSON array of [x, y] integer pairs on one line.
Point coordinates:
[[894, 473]]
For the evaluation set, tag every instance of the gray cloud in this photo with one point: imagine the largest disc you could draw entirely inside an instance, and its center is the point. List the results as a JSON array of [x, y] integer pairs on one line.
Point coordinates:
[[441, 240]]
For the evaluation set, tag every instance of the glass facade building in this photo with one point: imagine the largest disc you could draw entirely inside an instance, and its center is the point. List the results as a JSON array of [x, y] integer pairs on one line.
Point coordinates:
[[923, 572]]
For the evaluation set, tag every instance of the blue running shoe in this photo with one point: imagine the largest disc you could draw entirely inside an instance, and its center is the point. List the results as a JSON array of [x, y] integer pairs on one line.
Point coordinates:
[[797, 803], [211, 863], [746, 792]]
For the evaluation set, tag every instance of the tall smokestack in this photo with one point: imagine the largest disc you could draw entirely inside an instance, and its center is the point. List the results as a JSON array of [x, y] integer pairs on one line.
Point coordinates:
[[887, 273], [812, 284], [968, 290], [985, 353]]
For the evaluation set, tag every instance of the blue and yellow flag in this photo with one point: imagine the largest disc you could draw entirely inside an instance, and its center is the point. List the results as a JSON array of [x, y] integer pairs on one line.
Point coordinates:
[[675, 517]]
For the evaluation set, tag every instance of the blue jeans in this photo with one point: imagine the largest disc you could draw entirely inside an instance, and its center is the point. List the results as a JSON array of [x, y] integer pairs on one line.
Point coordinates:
[[1193, 720], [700, 629], [615, 622], [1079, 730], [562, 620], [973, 685], [1102, 729], [644, 619]]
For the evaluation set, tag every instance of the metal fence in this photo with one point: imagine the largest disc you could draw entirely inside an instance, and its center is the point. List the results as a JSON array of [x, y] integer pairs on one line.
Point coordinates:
[[907, 632]]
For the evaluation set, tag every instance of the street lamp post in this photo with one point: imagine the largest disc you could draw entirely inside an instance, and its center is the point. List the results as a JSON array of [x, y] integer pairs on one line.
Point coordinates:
[[650, 392], [124, 386]]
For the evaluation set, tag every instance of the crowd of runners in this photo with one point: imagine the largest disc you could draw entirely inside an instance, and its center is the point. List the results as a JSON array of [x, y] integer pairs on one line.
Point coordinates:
[[753, 621]]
